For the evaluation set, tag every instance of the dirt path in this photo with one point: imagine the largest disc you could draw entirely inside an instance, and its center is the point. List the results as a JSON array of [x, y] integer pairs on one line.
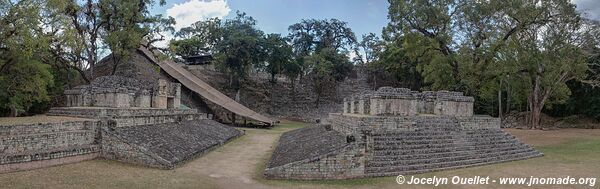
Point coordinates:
[[234, 164]]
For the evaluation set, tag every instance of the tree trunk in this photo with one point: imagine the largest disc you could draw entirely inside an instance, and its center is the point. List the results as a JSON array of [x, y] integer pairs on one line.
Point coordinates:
[[507, 98], [293, 90], [115, 64], [534, 103], [13, 111], [500, 101], [273, 78]]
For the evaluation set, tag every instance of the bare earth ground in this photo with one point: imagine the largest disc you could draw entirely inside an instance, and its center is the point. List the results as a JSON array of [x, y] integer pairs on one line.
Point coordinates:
[[239, 164]]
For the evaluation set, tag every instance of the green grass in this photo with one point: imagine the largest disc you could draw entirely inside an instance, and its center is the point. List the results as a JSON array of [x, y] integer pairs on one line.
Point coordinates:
[[574, 151]]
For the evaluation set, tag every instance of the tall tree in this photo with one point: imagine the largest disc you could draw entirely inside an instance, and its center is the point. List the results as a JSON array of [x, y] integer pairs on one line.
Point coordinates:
[[202, 36], [311, 36], [240, 47], [23, 78], [321, 48], [465, 46], [278, 54]]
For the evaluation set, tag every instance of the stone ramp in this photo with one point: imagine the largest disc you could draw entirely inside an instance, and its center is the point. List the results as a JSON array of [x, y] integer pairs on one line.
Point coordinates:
[[165, 145], [305, 143], [195, 84]]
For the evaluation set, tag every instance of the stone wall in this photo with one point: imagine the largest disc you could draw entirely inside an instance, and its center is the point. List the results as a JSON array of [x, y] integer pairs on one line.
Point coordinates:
[[315, 152], [390, 101], [123, 92], [32, 146], [162, 145], [132, 117], [345, 163], [357, 124]]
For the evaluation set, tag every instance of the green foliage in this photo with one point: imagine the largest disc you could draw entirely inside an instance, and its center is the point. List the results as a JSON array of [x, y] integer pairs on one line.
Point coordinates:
[[527, 50], [394, 59], [202, 36], [126, 23], [24, 84], [311, 36], [240, 47], [585, 99], [46, 45], [278, 54]]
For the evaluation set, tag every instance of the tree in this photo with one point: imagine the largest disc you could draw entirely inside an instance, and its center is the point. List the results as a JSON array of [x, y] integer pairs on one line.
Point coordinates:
[[321, 48], [278, 54], [240, 47], [371, 46], [202, 36], [81, 30], [311, 36], [547, 57], [125, 23], [394, 60], [292, 70], [25, 84], [23, 79], [465, 46], [327, 67]]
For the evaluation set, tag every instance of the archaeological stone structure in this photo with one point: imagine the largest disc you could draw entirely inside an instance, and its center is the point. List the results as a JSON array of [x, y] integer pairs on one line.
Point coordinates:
[[395, 131], [122, 119], [130, 93]]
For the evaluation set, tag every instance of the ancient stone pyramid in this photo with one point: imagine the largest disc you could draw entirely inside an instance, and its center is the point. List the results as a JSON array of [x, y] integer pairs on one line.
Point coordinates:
[[395, 131]]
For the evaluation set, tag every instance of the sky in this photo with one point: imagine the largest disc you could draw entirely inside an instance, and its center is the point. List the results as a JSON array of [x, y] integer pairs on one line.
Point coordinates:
[[274, 16]]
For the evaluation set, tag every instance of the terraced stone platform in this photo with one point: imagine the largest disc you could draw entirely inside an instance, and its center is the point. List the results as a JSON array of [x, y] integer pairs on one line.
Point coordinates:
[[396, 132]]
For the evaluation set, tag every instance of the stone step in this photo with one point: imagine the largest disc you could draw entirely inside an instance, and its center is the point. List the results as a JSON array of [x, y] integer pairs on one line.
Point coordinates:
[[374, 173], [441, 157], [444, 145], [435, 137], [396, 140], [429, 133], [448, 149], [459, 163], [383, 143]]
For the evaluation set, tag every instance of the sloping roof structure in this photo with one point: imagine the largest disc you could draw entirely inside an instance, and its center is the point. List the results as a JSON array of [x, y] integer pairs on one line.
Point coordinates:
[[195, 84]]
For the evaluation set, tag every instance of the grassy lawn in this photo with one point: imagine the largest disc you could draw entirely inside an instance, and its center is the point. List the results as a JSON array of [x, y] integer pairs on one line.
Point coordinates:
[[240, 164]]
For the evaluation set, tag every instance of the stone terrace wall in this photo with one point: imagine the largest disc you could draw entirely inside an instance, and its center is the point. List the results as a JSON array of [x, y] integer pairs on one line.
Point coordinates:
[[131, 117], [32, 146], [345, 163], [358, 124]]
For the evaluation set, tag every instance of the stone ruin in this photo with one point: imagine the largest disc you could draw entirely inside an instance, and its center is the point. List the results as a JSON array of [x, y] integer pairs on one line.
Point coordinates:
[[404, 102], [126, 120], [395, 131], [122, 92]]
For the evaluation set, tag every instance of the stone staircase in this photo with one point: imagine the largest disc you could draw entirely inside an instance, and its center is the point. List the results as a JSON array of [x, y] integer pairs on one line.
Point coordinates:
[[439, 145]]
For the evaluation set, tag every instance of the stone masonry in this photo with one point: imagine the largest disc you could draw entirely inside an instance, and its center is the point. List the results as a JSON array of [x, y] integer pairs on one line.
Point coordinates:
[[395, 131], [132, 121], [122, 92]]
